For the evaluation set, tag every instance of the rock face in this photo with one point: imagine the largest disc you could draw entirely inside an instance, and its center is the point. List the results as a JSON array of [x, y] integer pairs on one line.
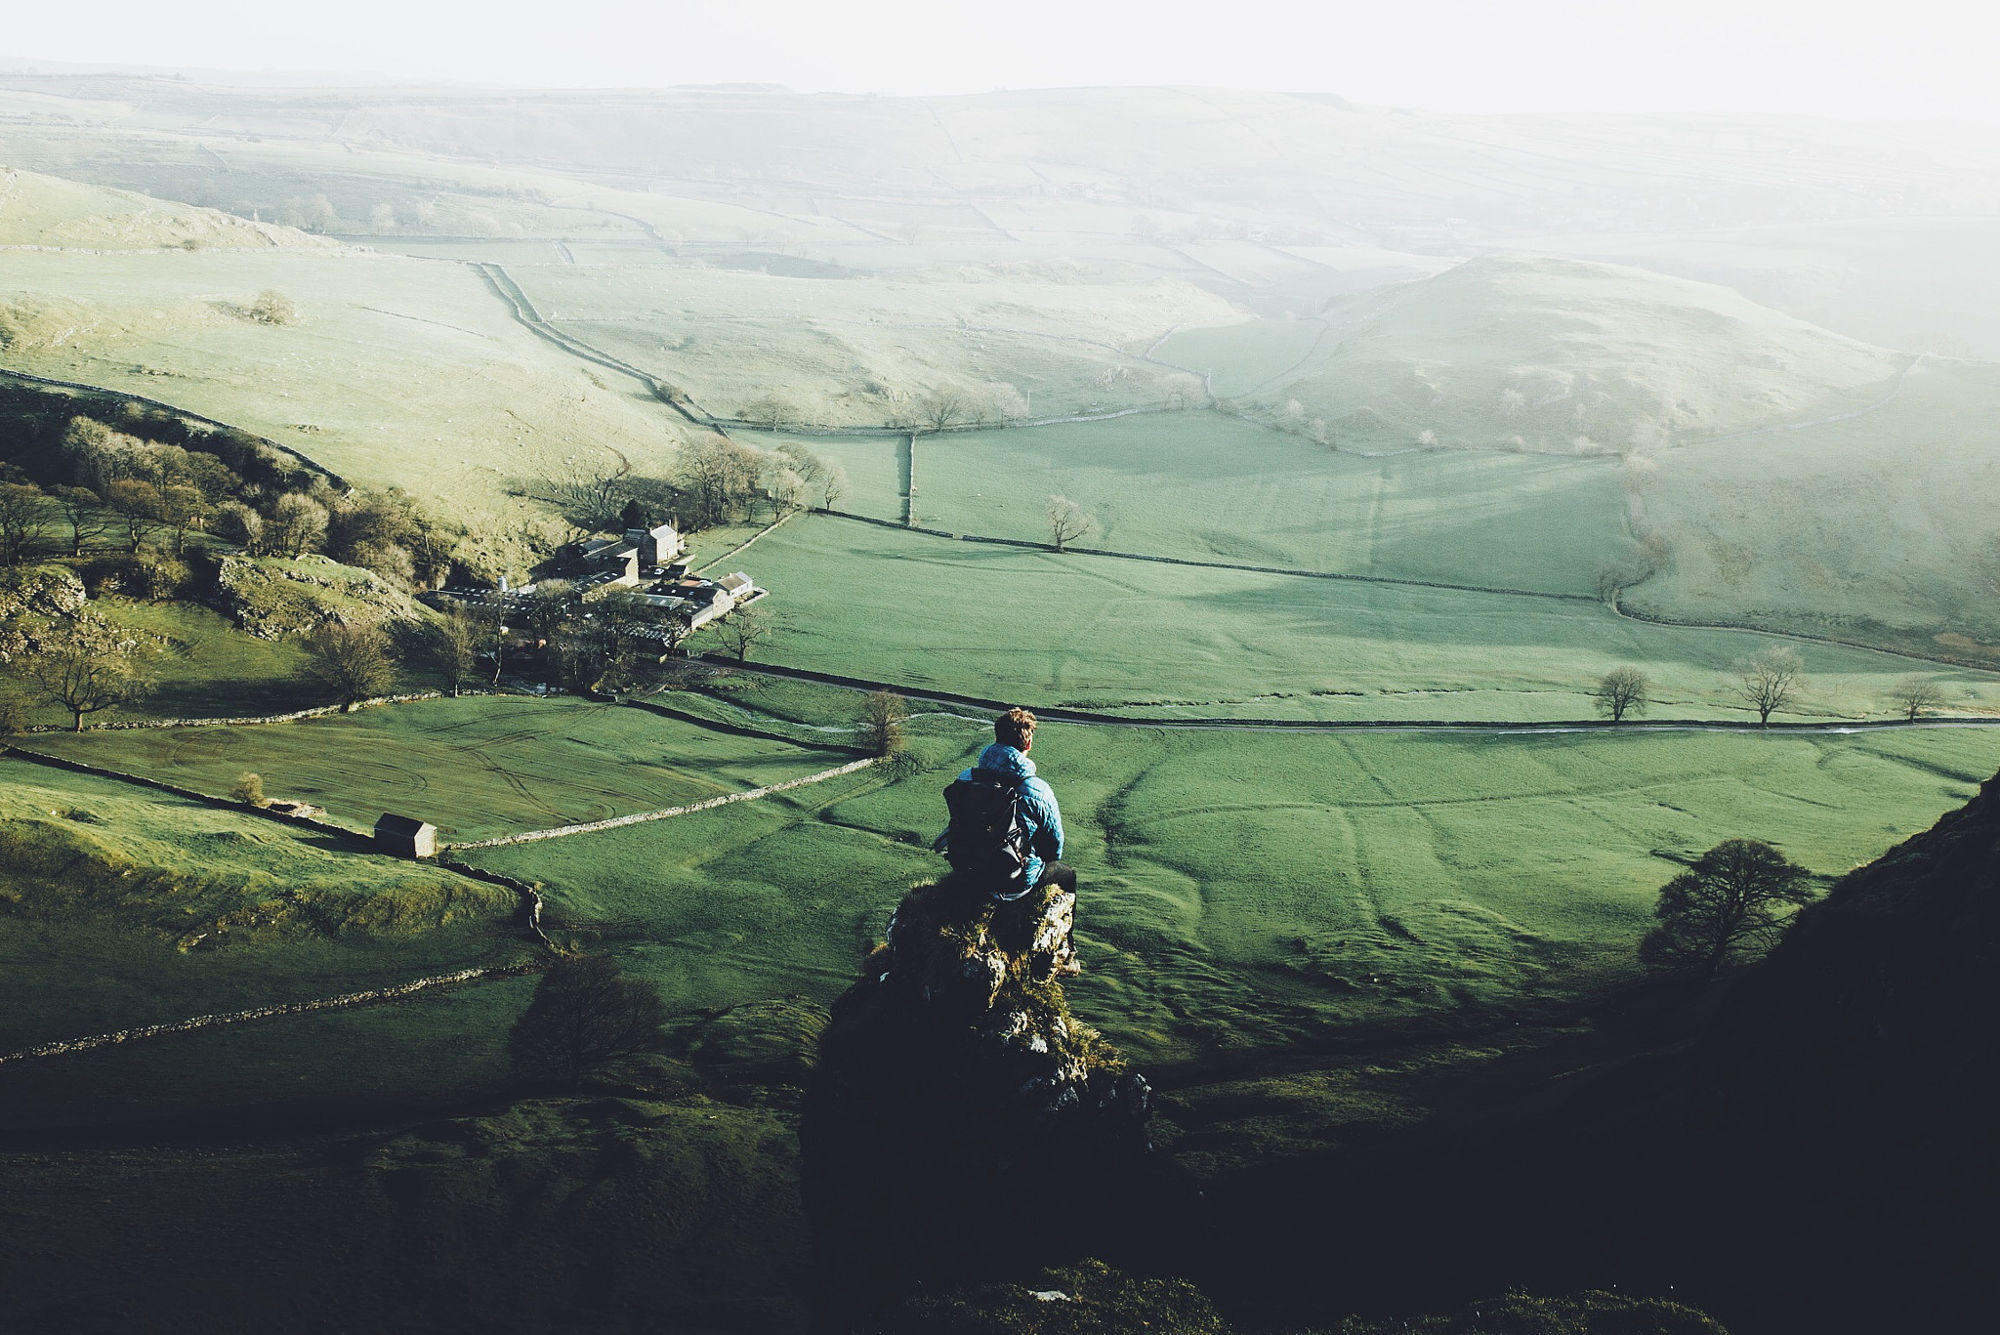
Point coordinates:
[[962, 1123]]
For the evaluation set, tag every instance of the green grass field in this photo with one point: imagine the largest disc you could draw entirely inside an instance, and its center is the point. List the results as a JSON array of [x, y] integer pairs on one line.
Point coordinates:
[[474, 767], [1249, 890], [1101, 632], [1212, 487], [120, 905]]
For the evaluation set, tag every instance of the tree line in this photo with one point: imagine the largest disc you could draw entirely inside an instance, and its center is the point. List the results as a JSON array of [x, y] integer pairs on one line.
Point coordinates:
[[140, 480], [712, 481], [1767, 683]]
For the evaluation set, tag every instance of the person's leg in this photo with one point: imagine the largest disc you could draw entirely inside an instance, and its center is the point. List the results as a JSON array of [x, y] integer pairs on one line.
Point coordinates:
[[1059, 874]]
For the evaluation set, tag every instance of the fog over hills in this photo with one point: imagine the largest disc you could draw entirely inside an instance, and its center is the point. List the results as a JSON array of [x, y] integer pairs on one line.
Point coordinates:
[[537, 539]]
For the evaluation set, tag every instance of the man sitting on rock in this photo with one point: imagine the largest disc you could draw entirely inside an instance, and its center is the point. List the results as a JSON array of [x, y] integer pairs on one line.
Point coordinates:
[[1006, 832]]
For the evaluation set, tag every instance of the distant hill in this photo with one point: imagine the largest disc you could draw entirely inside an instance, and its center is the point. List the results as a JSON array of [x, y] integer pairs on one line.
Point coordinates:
[[1563, 355], [38, 210]]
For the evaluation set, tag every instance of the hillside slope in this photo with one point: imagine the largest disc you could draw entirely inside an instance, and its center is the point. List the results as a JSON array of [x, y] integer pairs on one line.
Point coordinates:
[[1876, 525], [1860, 1058], [1549, 354], [38, 210]]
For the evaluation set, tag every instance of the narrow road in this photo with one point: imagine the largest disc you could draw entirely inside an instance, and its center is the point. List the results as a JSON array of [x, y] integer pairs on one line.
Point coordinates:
[[502, 284]]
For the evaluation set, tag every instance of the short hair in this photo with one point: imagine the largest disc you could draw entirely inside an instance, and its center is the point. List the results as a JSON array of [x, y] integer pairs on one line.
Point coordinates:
[[1014, 728]]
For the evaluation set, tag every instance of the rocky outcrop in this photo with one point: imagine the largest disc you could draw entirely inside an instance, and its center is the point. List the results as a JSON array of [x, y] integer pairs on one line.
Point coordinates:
[[273, 597], [963, 1124]]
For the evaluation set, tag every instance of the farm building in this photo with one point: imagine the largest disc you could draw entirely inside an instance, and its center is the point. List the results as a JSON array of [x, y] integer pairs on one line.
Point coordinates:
[[610, 563], [406, 836]]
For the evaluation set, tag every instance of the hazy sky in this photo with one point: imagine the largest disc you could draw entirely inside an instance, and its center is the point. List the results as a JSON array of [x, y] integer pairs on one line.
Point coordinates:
[[1831, 57]]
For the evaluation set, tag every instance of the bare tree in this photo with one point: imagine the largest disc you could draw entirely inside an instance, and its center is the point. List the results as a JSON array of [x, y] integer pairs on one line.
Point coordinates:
[[23, 521], [136, 503], [351, 662], [1914, 695], [771, 411], [1068, 521], [87, 665], [238, 523], [297, 525], [882, 718], [743, 631], [1769, 681], [833, 485], [943, 408], [453, 644], [716, 479], [789, 493], [84, 511], [1621, 692], [182, 507]]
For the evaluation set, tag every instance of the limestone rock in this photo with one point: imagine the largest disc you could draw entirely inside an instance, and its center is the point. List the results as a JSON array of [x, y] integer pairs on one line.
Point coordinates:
[[962, 1123]]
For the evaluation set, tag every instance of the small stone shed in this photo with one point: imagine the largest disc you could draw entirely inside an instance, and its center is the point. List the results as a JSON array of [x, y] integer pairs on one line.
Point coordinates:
[[406, 836]]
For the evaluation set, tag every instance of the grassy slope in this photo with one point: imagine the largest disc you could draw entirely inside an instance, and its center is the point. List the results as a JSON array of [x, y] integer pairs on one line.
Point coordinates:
[[37, 210], [404, 371], [853, 352], [474, 767], [1216, 488], [1080, 630], [1248, 890], [1595, 350], [103, 879], [1877, 526]]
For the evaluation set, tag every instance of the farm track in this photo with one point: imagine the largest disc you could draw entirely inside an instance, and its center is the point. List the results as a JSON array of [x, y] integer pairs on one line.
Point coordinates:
[[502, 285], [1895, 392]]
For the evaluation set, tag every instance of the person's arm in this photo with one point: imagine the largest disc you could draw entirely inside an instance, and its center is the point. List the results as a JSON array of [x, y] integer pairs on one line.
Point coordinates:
[[1049, 834]]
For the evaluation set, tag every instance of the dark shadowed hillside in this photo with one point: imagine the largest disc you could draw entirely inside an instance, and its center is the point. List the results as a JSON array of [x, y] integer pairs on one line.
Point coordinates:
[[1828, 1121]]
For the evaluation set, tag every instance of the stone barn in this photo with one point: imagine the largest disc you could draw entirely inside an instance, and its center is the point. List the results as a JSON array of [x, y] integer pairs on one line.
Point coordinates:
[[406, 836]]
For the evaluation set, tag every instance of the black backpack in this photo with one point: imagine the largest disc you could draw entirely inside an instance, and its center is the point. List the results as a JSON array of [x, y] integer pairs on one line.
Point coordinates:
[[987, 838]]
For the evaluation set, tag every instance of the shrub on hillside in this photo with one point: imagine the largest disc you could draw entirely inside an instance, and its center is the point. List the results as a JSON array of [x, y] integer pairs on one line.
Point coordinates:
[[249, 787], [273, 307], [350, 662]]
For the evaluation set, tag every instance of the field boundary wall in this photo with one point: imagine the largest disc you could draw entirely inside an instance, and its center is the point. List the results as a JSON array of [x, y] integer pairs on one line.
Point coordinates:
[[1096, 718], [1030, 544], [641, 818], [373, 996], [295, 716], [738, 729], [531, 899]]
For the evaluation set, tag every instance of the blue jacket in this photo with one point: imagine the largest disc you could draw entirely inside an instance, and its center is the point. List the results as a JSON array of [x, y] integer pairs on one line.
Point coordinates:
[[1038, 808]]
